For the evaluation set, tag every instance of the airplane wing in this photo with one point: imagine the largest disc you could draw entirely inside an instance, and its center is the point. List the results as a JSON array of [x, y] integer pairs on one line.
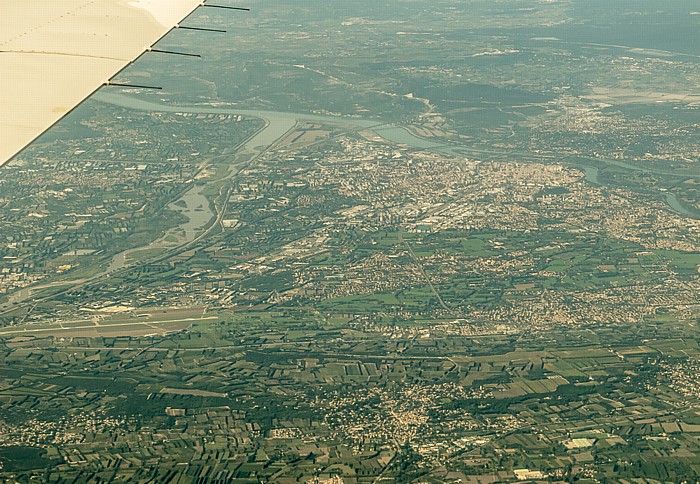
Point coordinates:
[[55, 53]]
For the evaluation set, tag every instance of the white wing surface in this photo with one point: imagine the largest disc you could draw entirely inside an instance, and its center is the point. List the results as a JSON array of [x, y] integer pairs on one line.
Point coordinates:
[[55, 53]]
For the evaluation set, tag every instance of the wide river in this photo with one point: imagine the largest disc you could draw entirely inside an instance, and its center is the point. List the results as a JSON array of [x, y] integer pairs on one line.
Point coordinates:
[[279, 122], [195, 206]]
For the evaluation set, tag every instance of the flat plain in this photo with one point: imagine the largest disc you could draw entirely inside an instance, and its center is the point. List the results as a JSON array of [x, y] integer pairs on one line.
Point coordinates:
[[413, 242]]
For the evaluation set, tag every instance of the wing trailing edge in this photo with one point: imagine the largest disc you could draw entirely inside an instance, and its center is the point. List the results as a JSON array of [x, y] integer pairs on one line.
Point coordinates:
[[54, 55]]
